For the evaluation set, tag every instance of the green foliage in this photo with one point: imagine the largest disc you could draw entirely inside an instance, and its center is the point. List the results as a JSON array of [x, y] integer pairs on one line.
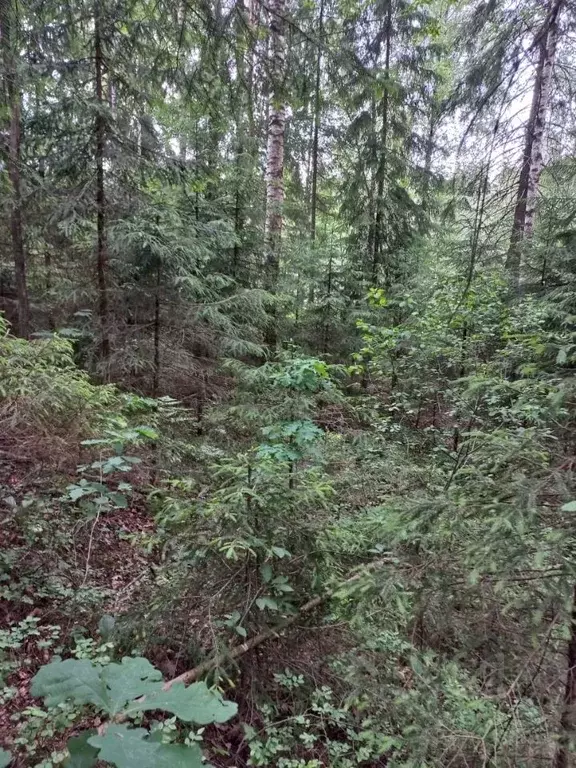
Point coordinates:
[[316, 730], [132, 747], [402, 460], [26, 632], [122, 691], [41, 386], [95, 495]]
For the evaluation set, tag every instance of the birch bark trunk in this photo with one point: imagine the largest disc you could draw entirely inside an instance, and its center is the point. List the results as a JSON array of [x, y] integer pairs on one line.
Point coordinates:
[[275, 153], [532, 157]]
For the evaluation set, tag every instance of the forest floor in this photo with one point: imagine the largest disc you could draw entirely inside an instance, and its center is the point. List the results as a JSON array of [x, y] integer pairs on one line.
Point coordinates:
[[58, 578], [46, 561]]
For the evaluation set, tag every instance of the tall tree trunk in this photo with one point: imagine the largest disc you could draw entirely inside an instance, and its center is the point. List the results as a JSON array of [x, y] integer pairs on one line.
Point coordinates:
[[243, 123], [101, 234], [8, 29], [317, 106], [326, 333], [568, 717], [532, 156], [253, 22], [156, 362], [381, 171], [275, 154], [238, 213], [429, 151]]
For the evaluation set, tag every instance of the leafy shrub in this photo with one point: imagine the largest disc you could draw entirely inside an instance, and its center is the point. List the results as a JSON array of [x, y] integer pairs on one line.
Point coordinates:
[[42, 388]]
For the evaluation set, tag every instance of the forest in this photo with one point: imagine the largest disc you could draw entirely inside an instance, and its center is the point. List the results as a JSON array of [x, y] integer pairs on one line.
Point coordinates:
[[287, 391]]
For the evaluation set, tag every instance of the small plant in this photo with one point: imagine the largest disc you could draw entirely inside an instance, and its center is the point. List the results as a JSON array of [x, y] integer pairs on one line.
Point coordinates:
[[93, 492], [27, 631]]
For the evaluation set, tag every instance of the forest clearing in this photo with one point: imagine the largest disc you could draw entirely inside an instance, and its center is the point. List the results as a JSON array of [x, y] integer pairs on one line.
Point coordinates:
[[287, 356]]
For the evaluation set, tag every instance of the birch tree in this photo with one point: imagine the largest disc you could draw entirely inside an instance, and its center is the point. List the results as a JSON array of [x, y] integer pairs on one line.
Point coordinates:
[[532, 156], [275, 151]]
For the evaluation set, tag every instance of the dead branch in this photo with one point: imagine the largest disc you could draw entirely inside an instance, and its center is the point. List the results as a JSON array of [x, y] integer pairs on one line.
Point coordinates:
[[239, 650]]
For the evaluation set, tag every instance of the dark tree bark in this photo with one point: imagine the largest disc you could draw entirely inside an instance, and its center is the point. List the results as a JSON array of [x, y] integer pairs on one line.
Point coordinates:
[[12, 101], [379, 235], [316, 132], [326, 333], [568, 717], [156, 362], [238, 217], [101, 233], [532, 156]]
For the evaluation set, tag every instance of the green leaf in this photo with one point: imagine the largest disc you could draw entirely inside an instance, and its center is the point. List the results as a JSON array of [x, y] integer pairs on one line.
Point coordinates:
[[5, 758], [119, 500], [132, 686], [148, 432], [82, 755], [569, 507], [115, 461], [77, 680], [75, 492], [266, 572], [267, 602], [127, 747], [195, 704], [132, 678], [280, 552]]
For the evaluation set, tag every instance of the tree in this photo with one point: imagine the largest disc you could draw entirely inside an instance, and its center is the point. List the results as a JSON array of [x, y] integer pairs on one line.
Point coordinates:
[[9, 32], [532, 156], [275, 151], [316, 126], [100, 136]]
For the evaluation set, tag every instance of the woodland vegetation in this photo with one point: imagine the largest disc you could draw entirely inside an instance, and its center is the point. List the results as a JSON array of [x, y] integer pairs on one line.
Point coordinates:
[[287, 355]]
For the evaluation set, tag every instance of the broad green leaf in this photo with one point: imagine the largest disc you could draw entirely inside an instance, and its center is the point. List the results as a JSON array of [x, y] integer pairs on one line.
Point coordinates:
[[267, 602], [77, 680], [133, 678], [280, 552], [82, 755], [127, 747], [5, 758], [569, 507], [132, 686], [266, 572], [193, 704], [75, 492]]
